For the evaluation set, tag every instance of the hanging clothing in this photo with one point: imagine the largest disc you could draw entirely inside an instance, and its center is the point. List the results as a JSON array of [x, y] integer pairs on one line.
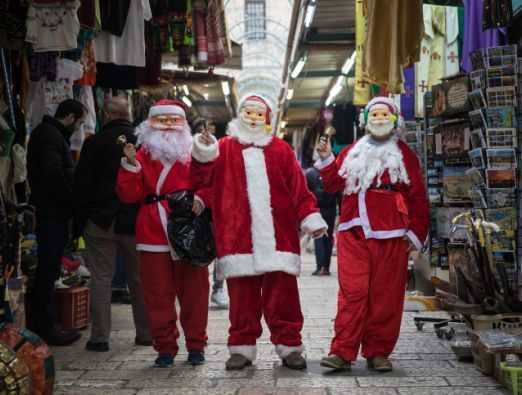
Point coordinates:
[[129, 48], [88, 61], [109, 75], [200, 30], [393, 40], [497, 13], [114, 16], [45, 96], [216, 34], [361, 91], [12, 34], [408, 97], [151, 73], [87, 14], [439, 53], [43, 65], [474, 37], [53, 27]]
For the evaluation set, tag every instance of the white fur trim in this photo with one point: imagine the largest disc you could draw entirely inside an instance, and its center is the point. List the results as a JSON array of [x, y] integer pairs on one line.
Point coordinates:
[[312, 223], [414, 239], [166, 110], [350, 224], [164, 221], [152, 248], [204, 153], [321, 164], [249, 352], [127, 166], [163, 176], [196, 197], [285, 351], [259, 139], [243, 265]]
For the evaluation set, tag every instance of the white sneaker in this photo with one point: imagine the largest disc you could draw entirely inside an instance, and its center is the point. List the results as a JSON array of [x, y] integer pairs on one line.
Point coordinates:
[[220, 299], [59, 284]]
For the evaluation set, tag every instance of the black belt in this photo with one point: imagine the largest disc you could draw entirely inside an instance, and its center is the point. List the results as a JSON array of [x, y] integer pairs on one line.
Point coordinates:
[[151, 199], [385, 187]]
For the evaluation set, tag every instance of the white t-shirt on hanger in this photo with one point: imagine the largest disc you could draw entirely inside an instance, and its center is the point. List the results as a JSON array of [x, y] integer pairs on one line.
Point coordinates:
[[53, 27], [129, 49]]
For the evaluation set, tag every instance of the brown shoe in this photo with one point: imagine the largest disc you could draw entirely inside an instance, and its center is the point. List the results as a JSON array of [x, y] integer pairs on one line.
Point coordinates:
[[380, 364], [294, 361], [336, 363], [237, 362]]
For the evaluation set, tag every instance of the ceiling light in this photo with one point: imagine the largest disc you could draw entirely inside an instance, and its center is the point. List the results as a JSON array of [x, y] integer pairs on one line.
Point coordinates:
[[226, 88], [283, 124], [290, 94], [298, 67], [347, 67], [186, 90], [187, 101], [205, 95], [309, 17]]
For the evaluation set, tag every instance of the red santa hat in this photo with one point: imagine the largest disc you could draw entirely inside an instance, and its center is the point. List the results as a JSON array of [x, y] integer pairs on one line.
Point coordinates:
[[258, 101], [168, 107]]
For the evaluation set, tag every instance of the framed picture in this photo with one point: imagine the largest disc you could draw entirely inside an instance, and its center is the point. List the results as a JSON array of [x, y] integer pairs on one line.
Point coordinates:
[[477, 99], [477, 139], [501, 117], [501, 158], [477, 158], [501, 138], [477, 119], [500, 178]]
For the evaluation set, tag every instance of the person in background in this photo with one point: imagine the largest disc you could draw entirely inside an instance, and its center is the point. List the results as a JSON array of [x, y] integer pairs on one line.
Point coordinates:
[[108, 225], [327, 204], [50, 175], [218, 297]]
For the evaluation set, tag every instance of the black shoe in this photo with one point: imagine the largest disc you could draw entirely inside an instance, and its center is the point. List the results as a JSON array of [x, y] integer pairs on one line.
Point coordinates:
[[196, 358], [98, 347], [294, 361], [143, 342], [317, 272], [324, 272], [164, 361], [61, 338]]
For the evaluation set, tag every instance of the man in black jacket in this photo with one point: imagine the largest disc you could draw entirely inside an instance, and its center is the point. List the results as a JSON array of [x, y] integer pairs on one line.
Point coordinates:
[[327, 203], [50, 173], [108, 224]]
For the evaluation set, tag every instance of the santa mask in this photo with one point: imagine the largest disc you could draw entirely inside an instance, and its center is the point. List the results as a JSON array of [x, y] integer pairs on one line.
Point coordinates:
[[166, 133], [253, 118], [381, 121]]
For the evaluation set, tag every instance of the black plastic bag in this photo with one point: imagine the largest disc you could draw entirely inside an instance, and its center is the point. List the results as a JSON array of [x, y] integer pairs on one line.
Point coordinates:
[[190, 236]]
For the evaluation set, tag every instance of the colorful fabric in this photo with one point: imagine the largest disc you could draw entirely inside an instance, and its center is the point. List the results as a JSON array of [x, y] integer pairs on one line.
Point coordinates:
[[474, 37], [216, 33], [361, 92]]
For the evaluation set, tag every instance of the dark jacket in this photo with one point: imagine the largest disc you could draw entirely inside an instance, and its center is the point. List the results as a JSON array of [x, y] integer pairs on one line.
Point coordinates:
[[50, 169], [324, 200], [95, 181]]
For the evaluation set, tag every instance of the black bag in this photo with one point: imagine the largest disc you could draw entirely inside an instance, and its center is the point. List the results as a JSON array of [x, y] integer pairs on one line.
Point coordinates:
[[190, 236]]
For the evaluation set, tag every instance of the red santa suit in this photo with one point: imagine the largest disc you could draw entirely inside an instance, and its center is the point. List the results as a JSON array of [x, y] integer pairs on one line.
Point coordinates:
[[384, 204], [163, 276], [259, 200]]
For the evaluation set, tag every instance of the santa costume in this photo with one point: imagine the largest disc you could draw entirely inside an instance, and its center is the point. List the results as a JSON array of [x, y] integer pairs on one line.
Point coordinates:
[[384, 211], [259, 201], [162, 167]]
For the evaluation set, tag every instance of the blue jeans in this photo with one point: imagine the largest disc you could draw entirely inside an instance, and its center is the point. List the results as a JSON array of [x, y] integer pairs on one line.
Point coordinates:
[[324, 245]]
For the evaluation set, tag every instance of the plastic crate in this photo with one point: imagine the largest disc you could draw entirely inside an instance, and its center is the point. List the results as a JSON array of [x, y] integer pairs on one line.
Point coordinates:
[[483, 360], [512, 377], [73, 306]]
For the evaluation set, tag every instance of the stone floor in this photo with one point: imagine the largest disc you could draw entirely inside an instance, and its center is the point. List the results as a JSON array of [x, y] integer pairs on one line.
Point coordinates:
[[424, 364]]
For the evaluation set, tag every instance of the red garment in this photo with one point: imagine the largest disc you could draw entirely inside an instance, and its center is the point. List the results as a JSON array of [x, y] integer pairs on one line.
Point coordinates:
[[163, 280], [384, 214], [259, 199], [152, 177], [272, 295], [372, 280]]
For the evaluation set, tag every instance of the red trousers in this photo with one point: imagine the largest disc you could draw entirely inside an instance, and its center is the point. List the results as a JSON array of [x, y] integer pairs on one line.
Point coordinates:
[[274, 295], [163, 280], [372, 284]]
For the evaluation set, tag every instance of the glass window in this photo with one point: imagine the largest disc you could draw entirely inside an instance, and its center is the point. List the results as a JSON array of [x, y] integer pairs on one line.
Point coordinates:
[[255, 23]]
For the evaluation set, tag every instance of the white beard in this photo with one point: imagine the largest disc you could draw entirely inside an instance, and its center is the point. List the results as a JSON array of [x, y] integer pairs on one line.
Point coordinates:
[[380, 128], [368, 160], [168, 147], [246, 134]]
